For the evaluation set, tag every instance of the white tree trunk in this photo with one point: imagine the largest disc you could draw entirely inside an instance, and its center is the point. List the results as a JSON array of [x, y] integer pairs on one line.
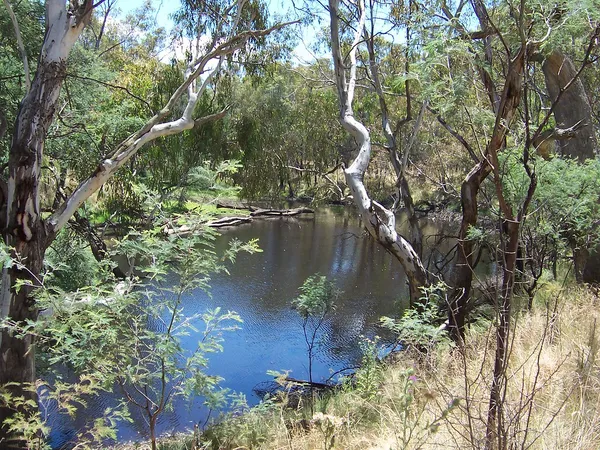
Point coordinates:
[[379, 221], [24, 229]]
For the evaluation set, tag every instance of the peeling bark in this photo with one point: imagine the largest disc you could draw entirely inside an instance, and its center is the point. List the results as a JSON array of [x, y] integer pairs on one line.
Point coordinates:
[[379, 221], [25, 232]]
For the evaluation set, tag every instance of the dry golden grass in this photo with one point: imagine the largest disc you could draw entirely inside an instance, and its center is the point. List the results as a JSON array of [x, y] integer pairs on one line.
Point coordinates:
[[552, 399]]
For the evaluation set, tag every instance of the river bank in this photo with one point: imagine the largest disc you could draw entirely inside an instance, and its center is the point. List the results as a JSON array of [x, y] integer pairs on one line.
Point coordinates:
[[440, 399]]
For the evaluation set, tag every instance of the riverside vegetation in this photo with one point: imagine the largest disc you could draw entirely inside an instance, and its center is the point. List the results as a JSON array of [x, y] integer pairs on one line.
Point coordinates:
[[439, 398], [481, 112]]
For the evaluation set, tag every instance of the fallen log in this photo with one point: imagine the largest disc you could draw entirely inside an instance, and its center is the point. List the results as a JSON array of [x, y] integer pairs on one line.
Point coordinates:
[[281, 212], [232, 221], [229, 221], [307, 383]]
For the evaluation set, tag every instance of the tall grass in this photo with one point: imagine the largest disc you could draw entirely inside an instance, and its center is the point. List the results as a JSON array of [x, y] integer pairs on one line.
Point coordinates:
[[440, 400]]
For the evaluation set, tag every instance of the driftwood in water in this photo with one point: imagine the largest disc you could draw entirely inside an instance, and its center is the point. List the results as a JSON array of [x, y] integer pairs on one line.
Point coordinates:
[[232, 221], [281, 212], [236, 205], [294, 391], [307, 383], [229, 221], [257, 212]]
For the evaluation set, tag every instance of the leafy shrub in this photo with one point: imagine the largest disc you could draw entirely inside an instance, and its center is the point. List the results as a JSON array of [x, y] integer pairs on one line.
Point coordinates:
[[314, 304], [71, 262], [420, 327]]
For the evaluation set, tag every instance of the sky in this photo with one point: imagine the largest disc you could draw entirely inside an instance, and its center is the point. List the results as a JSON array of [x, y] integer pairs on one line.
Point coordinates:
[[302, 54]]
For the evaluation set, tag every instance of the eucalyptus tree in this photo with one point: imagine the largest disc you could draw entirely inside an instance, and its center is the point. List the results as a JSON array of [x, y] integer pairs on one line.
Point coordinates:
[[512, 41], [28, 15], [398, 150], [221, 29], [378, 220], [456, 65]]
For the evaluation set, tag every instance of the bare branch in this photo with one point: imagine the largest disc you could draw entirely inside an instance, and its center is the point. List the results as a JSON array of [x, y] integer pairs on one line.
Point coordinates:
[[454, 133], [113, 86], [154, 129], [379, 221], [212, 117]]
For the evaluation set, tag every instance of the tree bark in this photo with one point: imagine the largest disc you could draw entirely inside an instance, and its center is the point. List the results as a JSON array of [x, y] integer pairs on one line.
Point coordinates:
[[379, 221], [25, 232], [495, 431], [462, 276], [571, 108]]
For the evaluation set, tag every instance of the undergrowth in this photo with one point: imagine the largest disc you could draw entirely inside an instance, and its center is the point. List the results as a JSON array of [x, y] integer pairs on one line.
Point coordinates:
[[440, 400]]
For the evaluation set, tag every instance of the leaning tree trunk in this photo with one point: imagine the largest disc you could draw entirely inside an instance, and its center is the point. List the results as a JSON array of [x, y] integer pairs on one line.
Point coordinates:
[[24, 231], [398, 160], [462, 275], [379, 221]]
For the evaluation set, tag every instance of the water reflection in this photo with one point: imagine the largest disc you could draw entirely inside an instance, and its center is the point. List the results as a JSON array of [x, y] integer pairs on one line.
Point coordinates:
[[260, 289]]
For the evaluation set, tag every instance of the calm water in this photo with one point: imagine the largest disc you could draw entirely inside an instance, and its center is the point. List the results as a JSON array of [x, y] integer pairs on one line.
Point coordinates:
[[260, 288]]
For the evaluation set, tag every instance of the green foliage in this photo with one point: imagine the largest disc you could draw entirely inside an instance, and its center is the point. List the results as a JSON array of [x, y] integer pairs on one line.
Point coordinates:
[[566, 200], [419, 327], [130, 333], [314, 304], [71, 262], [563, 214], [367, 380], [317, 297], [66, 398], [242, 426], [287, 132]]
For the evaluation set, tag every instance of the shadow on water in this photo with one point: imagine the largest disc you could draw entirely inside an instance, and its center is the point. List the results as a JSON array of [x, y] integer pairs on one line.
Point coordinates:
[[260, 288]]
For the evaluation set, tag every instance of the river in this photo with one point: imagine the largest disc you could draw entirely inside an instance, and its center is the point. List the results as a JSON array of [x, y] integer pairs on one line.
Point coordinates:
[[260, 288]]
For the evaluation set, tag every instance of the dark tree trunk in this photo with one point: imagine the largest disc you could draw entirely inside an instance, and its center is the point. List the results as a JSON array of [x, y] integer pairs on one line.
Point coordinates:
[[462, 275], [495, 434], [416, 238], [24, 231], [572, 107]]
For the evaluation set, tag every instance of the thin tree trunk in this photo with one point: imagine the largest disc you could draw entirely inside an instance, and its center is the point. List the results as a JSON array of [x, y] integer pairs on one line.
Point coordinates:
[[495, 430], [152, 426], [398, 160]]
